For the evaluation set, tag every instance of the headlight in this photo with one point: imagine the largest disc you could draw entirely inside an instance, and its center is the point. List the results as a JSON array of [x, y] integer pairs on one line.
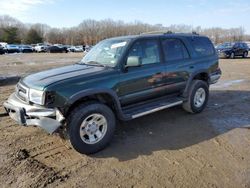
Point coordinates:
[[36, 96]]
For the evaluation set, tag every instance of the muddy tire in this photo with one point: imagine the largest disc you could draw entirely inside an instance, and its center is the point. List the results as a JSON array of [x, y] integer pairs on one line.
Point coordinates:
[[197, 98], [91, 127]]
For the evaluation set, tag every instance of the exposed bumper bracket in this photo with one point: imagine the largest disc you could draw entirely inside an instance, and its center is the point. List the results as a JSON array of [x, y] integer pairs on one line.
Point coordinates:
[[48, 119]]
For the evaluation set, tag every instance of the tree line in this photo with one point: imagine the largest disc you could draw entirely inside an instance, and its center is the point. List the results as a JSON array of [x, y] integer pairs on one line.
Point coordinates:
[[92, 31]]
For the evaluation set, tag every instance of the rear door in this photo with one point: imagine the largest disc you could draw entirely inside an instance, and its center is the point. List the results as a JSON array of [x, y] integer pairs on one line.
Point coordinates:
[[237, 49], [178, 63], [242, 48]]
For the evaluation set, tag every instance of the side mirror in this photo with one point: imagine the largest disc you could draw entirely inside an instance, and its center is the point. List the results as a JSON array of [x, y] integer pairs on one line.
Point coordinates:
[[133, 61]]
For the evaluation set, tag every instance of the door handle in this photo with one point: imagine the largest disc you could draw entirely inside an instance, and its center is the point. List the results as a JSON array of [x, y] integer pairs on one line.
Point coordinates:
[[191, 67]]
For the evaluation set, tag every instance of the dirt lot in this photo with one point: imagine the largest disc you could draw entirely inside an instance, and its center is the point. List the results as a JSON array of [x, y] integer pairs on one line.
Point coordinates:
[[166, 149]]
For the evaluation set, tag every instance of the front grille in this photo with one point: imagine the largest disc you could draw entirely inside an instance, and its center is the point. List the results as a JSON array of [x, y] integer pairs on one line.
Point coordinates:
[[22, 92]]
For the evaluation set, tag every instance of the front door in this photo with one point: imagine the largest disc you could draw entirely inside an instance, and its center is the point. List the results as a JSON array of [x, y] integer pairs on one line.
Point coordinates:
[[145, 81]]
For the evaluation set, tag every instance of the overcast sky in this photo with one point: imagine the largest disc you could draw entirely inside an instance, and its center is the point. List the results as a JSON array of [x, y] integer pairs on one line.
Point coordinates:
[[66, 13]]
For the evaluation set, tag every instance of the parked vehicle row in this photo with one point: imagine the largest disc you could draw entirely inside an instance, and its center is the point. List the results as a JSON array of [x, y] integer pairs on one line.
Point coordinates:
[[41, 47]]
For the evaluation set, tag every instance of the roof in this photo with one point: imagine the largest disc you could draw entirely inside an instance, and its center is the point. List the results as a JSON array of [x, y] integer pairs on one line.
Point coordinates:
[[157, 34]]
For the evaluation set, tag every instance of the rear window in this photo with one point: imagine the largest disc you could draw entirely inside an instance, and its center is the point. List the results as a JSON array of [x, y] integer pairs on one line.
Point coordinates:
[[174, 49], [202, 46]]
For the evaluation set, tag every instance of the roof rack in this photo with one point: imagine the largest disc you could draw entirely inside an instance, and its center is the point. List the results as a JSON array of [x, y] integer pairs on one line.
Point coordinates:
[[157, 32], [165, 33], [195, 33]]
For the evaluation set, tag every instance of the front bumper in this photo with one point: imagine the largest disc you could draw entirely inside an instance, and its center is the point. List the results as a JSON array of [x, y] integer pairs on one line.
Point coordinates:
[[25, 114], [223, 54]]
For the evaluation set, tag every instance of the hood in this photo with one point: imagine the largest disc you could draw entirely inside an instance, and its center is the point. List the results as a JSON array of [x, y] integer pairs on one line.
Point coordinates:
[[224, 49], [45, 78]]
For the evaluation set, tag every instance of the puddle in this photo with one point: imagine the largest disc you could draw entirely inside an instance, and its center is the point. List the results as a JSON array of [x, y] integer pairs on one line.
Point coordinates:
[[224, 124], [225, 84]]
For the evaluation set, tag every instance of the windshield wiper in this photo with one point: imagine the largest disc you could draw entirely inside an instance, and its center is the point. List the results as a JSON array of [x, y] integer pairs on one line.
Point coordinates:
[[94, 63]]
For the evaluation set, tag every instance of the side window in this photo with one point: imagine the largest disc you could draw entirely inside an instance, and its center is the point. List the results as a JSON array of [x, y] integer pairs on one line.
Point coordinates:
[[237, 45], [147, 50], [202, 46], [174, 49]]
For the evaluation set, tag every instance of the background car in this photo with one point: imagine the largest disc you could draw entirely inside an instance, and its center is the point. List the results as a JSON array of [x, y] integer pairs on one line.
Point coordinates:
[[2, 50], [12, 48], [57, 49], [40, 47], [26, 49], [232, 49], [76, 49], [33, 47], [3, 44], [248, 44]]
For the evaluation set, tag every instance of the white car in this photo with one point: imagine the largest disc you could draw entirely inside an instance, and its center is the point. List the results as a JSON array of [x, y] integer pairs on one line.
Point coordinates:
[[40, 47], [3, 44], [75, 49]]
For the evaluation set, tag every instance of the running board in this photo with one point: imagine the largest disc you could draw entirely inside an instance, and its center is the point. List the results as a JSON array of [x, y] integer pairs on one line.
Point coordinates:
[[156, 109], [139, 110]]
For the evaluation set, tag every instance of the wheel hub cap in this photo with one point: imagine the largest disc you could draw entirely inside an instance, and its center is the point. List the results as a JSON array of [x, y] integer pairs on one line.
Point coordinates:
[[93, 128], [199, 98]]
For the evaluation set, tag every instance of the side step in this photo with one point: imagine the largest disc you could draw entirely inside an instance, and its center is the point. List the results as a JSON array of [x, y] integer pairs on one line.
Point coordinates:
[[135, 111]]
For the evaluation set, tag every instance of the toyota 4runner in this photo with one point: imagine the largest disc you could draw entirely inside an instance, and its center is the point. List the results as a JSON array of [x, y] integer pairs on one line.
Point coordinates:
[[120, 78]]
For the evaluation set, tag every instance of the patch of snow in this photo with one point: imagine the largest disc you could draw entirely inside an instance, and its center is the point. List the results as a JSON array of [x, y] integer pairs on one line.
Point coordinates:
[[225, 84]]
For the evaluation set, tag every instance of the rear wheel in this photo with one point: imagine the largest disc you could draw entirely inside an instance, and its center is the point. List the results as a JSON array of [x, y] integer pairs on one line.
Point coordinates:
[[245, 54], [91, 127], [198, 97]]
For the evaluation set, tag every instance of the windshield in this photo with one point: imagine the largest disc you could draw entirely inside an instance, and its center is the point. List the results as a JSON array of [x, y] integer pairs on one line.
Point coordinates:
[[226, 45], [105, 53]]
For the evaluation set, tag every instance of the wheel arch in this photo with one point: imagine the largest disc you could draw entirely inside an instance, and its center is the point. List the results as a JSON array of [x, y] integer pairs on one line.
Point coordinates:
[[105, 96], [199, 75]]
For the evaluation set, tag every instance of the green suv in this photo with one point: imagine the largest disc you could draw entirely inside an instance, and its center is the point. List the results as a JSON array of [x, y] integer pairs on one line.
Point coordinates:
[[120, 78]]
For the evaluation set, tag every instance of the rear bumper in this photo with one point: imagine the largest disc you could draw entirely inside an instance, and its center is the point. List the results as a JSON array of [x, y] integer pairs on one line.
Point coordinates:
[[214, 77], [26, 114]]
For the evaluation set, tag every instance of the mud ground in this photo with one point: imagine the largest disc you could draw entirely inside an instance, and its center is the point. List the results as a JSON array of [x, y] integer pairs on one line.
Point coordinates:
[[166, 149]]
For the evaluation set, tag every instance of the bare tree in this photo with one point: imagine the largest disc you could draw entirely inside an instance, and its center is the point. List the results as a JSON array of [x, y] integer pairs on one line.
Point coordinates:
[[92, 31]]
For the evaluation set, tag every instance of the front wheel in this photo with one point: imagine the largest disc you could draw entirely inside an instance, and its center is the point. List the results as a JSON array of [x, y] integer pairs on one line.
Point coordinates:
[[232, 55], [198, 97], [91, 127]]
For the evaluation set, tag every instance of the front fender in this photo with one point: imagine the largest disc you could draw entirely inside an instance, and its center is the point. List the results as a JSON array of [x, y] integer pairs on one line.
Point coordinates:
[[78, 96]]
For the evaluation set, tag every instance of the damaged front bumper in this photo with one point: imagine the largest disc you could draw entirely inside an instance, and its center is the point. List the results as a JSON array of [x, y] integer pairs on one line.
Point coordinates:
[[50, 119]]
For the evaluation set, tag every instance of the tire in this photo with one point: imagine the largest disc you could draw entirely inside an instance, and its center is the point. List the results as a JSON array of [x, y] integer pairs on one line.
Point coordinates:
[[82, 131], [192, 105], [232, 55], [245, 54]]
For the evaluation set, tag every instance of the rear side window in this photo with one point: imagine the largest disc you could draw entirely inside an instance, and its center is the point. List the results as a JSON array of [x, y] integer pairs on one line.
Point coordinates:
[[174, 49], [202, 46]]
